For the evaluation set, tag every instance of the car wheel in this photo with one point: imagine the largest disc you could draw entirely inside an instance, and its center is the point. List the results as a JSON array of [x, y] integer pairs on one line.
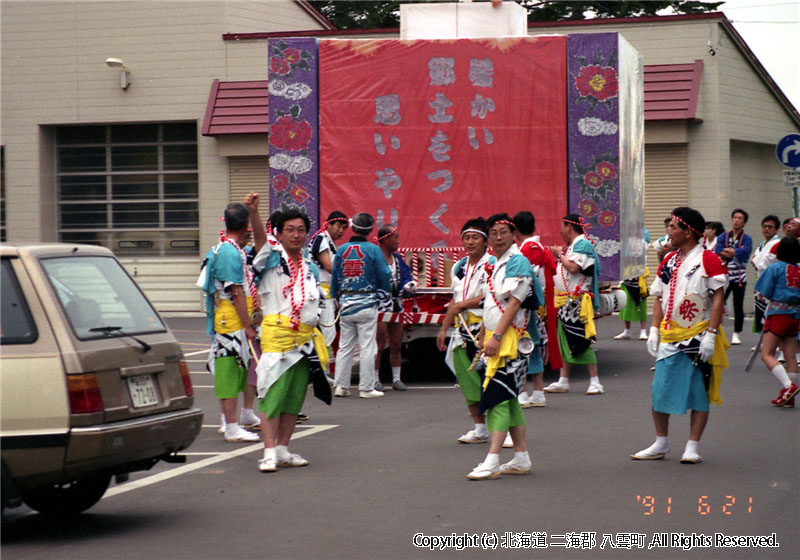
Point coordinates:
[[68, 498]]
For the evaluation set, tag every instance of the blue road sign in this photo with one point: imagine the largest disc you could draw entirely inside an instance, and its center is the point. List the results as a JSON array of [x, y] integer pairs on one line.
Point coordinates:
[[788, 150]]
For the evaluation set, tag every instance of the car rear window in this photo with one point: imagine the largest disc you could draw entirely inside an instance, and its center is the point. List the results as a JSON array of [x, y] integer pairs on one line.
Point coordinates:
[[16, 322], [99, 298]]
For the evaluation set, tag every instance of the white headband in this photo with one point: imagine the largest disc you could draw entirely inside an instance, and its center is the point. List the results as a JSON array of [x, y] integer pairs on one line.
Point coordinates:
[[483, 233]]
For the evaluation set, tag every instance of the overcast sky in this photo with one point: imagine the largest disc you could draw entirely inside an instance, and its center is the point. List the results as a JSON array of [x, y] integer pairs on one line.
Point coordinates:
[[771, 28]]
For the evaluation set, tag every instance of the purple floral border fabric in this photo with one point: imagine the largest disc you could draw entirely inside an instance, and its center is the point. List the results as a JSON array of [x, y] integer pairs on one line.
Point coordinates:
[[593, 133], [294, 126]]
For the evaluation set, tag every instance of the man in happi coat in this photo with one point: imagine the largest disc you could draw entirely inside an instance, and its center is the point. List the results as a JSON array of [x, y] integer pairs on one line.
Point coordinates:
[[686, 336], [577, 298]]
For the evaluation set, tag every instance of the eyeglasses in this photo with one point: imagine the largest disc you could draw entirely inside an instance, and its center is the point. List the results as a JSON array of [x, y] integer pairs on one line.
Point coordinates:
[[499, 232]]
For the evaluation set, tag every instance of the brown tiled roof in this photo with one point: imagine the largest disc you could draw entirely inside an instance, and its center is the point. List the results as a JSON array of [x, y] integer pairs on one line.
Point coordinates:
[[671, 90], [237, 108]]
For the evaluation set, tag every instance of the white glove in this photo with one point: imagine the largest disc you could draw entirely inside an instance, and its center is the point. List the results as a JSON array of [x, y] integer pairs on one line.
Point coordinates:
[[707, 346], [652, 342]]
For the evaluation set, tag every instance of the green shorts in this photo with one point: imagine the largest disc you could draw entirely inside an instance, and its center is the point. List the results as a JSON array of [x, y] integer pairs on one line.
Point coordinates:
[[584, 358], [288, 393], [469, 381], [230, 378], [505, 415]]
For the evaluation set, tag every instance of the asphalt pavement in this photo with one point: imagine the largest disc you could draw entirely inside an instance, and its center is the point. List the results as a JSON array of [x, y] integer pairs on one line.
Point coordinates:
[[387, 479]]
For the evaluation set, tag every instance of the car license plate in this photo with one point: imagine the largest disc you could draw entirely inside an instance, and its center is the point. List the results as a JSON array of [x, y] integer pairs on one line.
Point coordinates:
[[142, 390]]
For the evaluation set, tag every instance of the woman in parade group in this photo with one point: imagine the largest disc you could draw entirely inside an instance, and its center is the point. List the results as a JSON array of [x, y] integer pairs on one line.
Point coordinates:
[[467, 280], [509, 283], [780, 285], [388, 240]]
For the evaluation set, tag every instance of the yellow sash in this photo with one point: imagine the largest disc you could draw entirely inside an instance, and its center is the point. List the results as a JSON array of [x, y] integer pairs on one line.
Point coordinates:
[[718, 360], [326, 289], [471, 319], [643, 291], [226, 318], [507, 351], [278, 336], [587, 311]]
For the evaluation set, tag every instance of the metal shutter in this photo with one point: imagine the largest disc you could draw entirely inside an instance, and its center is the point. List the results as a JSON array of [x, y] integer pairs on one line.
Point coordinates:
[[666, 186], [250, 174]]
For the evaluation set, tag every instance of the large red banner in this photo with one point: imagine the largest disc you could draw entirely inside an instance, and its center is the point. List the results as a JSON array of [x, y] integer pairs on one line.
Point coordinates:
[[428, 134]]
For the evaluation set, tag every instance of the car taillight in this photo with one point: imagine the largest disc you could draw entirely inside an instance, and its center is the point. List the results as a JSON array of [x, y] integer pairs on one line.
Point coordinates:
[[84, 394], [187, 379]]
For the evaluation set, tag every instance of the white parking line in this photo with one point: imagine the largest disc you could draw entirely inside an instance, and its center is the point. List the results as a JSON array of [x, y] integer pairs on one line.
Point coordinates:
[[224, 456], [196, 353]]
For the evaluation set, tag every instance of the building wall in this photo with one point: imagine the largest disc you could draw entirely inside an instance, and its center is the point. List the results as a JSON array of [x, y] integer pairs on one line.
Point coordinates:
[[54, 73]]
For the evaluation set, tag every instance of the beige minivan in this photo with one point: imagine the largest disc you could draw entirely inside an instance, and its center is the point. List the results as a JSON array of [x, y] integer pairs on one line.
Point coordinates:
[[92, 383]]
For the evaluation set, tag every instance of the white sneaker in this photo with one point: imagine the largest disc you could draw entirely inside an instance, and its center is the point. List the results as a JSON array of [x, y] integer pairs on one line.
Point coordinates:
[[537, 400], [370, 394], [240, 435], [642, 335], [556, 387], [523, 399], [293, 460], [624, 335], [341, 392], [735, 339], [508, 442], [515, 467], [267, 465], [473, 437], [595, 390], [484, 472]]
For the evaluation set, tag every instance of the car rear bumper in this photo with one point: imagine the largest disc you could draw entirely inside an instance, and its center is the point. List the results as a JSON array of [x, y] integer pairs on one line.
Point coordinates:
[[115, 445]]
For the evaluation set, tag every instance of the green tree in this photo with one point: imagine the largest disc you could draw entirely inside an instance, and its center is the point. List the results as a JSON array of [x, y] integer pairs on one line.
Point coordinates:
[[347, 14]]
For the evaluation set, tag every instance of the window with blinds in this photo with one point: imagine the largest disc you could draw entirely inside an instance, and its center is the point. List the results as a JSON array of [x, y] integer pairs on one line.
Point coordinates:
[[132, 188]]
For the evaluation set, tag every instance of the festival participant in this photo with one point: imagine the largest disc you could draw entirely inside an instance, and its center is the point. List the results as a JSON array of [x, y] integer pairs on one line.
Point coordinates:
[[762, 258], [689, 289], [544, 267], [636, 304], [402, 285], [322, 251], [576, 298], [734, 248], [780, 285], [663, 245], [360, 280], [467, 279], [230, 293], [292, 348], [510, 282], [712, 231]]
